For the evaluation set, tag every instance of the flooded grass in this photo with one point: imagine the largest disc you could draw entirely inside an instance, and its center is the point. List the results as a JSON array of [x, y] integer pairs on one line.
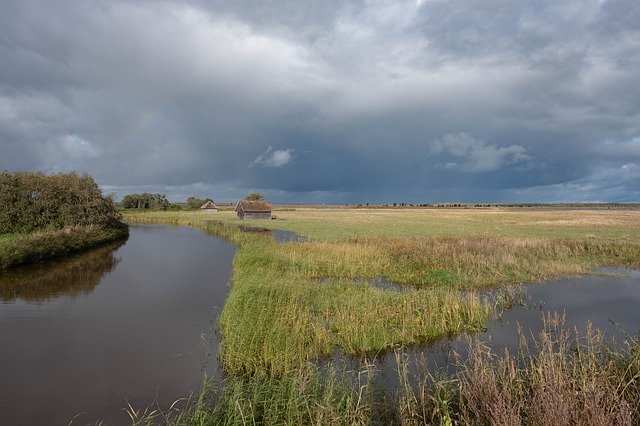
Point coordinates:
[[278, 319], [562, 377]]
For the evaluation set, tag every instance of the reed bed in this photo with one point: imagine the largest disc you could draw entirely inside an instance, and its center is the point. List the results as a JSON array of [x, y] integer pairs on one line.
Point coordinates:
[[562, 377], [294, 303], [291, 306]]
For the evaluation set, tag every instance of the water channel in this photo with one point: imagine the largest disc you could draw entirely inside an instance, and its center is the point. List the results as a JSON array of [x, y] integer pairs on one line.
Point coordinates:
[[132, 323]]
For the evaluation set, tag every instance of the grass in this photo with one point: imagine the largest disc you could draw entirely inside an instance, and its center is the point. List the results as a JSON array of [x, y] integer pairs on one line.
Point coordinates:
[[341, 224], [562, 378], [41, 245], [5, 238], [292, 305]]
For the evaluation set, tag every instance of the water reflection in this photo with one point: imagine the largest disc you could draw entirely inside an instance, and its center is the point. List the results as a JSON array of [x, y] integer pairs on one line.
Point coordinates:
[[73, 276], [608, 301], [85, 336]]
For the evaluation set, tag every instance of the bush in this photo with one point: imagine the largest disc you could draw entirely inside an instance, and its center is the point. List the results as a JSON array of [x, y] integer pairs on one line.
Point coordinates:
[[35, 201]]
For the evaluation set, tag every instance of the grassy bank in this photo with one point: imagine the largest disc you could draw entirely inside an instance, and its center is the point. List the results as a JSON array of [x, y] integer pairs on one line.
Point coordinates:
[[563, 379], [293, 304], [20, 249]]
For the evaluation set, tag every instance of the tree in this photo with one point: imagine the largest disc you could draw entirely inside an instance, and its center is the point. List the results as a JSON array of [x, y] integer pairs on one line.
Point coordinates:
[[35, 201], [194, 203], [145, 201], [254, 196]]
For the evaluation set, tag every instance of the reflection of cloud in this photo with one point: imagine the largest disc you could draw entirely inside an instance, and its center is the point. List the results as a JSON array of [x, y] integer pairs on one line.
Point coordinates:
[[477, 156], [274, 158]]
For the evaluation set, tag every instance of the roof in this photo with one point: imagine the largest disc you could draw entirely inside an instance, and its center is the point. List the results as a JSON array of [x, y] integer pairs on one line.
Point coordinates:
[[254, 206], [209, 205]]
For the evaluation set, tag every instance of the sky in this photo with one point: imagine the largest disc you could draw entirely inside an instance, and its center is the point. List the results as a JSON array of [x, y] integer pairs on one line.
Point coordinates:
[[327, 101]]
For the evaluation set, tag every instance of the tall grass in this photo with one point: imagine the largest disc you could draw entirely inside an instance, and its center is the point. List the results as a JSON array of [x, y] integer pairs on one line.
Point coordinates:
[[563, 378], [294, 303], [47, 244], [291, 305]]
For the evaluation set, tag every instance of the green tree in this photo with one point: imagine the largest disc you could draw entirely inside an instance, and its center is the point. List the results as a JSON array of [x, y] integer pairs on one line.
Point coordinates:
[[145, 201], [194, 203], [34, 201], [254, 196]]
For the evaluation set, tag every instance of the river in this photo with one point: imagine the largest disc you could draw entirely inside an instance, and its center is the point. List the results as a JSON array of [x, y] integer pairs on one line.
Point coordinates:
[[82, 337]]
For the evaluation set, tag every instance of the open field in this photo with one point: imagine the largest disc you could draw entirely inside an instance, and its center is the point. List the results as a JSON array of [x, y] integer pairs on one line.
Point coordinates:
[[337, 224], [294, 304]]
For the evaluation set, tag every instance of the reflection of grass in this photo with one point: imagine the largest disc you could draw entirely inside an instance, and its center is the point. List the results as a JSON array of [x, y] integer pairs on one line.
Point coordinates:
[[70, 276]]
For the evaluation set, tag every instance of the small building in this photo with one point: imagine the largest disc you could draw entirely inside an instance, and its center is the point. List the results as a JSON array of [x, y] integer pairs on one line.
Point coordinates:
[[253, 210], [209, 207]]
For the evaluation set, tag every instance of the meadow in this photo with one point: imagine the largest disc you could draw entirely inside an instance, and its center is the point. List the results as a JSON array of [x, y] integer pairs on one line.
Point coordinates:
[[291, 306]]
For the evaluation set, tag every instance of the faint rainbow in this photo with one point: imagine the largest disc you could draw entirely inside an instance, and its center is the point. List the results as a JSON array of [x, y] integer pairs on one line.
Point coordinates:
[[145, 117]]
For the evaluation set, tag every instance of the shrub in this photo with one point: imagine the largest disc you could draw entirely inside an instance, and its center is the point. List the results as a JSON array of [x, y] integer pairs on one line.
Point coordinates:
[[35, 201]]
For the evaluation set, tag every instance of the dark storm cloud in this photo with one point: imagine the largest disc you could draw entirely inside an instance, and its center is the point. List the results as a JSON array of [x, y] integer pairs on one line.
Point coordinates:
[[328, 101]]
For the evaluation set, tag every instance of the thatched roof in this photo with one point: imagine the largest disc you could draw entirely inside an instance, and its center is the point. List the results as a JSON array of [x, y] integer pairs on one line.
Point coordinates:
[[254, 206], [209, 205]]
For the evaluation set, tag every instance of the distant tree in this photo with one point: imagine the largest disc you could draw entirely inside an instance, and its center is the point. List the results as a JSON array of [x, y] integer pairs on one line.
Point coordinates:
[[254, 196], [194, 203], [145, 201]]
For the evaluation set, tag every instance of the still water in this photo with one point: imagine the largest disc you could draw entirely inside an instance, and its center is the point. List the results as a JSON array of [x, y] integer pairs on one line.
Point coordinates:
[[81, 337], [609, 301]]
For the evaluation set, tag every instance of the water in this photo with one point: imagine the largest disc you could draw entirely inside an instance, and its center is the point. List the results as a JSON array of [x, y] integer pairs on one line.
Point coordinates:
[[278, 235], [610, 301], [83, 336], [287, 236]]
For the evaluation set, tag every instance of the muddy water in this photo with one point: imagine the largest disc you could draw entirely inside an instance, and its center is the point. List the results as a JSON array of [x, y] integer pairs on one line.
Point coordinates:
[[83, 336]]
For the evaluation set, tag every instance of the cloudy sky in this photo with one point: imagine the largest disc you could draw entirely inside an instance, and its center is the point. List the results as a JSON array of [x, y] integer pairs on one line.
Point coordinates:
[[327, 101]]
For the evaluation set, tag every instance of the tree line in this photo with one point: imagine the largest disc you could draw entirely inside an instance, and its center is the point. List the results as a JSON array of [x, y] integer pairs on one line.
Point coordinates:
[[147, 201]]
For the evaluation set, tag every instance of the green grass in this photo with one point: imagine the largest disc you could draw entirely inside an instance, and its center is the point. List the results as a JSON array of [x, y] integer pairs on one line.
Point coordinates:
[[41, 245], [5, 238], [561, 378], [294, 303]]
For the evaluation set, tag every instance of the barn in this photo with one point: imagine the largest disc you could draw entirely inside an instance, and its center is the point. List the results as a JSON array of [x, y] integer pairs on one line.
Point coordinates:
[[209, 207], [253, 210]]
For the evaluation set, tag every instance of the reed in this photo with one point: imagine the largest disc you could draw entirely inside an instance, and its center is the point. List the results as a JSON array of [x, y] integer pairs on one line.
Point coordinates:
[[562, 377], [291, 306], [47, 244]]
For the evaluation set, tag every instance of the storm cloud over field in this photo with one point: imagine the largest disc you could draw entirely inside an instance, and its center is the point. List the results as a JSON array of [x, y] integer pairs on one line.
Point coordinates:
[[332, 101]]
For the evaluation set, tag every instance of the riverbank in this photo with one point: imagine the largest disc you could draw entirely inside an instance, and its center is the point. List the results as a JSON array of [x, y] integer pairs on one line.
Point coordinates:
[[20, 249], [291, 306]]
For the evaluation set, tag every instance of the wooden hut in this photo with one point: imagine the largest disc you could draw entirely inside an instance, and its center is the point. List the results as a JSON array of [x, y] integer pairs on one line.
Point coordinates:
[[253, 210], [209, 207]]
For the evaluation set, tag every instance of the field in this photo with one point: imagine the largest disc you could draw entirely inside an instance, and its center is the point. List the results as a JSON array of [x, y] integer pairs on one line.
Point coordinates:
[[293, 305]]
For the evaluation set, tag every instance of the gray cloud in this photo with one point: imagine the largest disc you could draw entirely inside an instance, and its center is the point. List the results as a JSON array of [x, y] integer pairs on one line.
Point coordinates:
[[378, 100]]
